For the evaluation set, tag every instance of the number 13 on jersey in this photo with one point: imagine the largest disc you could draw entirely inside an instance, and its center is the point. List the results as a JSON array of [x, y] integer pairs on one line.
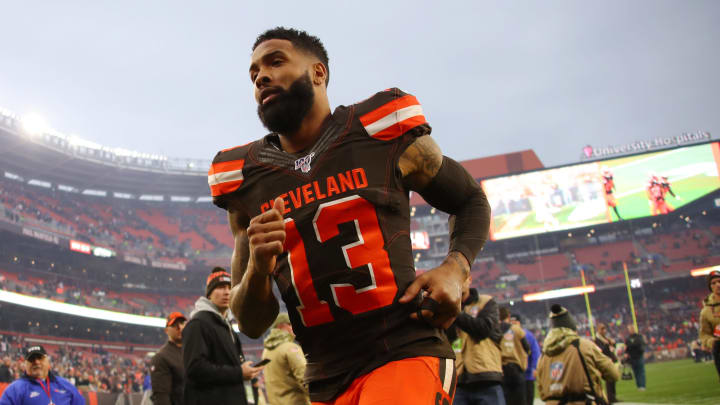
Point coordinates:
[[368, 250]]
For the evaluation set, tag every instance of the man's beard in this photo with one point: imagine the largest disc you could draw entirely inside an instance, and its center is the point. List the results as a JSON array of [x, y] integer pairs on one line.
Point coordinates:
[[286, 112]]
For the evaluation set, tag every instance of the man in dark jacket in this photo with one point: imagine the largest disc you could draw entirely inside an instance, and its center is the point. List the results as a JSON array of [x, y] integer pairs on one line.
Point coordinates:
[[533, 357], [478, 359], [212, 353], [167, 374], [635, 351], [6, 375], [514, 349], [607, 346]]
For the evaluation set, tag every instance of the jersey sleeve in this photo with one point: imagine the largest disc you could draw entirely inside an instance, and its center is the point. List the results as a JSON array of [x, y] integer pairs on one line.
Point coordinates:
[[225, 176], [392, 113]]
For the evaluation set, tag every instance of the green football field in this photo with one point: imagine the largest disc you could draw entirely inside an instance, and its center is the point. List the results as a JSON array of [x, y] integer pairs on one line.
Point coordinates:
[[675, 382], [687, 169]]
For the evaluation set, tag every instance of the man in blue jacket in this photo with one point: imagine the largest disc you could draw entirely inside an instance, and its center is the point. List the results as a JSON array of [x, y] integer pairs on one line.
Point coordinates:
[[39, 386], [532, 360]]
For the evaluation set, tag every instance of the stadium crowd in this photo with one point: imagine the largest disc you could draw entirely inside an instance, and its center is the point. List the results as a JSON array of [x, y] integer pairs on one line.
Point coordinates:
[[71, 292], [667, 315], [178, 231], [95, 369]]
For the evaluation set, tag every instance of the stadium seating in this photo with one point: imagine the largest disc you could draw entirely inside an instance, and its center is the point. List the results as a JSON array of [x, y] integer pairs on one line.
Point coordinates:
[[121, 301], [603, 256], [164, 230]]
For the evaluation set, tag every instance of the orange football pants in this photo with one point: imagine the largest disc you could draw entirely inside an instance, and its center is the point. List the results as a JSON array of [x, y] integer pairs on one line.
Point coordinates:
[[412, 381]]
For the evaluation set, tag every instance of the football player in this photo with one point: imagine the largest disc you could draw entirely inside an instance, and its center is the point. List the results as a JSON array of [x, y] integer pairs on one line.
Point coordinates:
[[320, 206], [609, 187], [656, 196]]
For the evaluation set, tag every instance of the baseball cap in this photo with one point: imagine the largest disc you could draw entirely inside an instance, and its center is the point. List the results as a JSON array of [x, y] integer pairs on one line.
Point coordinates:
[[713, 274], [174, 318], [34, 350]]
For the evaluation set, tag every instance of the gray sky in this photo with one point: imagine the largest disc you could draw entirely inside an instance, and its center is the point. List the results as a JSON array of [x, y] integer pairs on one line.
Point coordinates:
[[171, 77]]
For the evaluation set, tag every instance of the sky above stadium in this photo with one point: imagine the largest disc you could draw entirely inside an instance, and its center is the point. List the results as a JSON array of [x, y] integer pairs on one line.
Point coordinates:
[[171, 77]]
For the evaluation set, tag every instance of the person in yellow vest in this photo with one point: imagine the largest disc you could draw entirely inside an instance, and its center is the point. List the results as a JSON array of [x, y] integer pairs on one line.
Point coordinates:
[[514, 349], [476, 336], [571, 368], [284, 374], [710, 318]]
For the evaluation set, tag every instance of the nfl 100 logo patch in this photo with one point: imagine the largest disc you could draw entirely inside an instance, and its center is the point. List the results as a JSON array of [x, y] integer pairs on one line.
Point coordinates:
[[556, 370], [303, 164]]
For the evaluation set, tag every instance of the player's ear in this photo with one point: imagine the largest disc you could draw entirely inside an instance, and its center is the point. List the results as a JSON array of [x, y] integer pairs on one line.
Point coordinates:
[[318, 73]]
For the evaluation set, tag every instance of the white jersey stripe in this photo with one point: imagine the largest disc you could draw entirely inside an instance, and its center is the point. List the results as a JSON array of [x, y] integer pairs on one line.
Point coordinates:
[[223, 177], [447, 378], [393, 118]]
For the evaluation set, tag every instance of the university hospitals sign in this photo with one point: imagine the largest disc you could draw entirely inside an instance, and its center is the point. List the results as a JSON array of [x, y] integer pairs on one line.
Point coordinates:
[[591, 152]]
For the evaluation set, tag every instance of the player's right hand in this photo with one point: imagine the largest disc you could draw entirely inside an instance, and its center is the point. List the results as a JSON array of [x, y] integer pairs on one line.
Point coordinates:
[[266, 235]]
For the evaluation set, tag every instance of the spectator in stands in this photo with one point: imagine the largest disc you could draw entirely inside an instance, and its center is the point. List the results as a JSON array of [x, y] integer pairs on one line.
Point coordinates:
[[167, 374], [212, 354], [635, 352], [710, 318], [83, 382], [6, 374], [607, 346], [571, 375], [285, 374], [475, 336], [532, 360], [39, 385], [514, 348]]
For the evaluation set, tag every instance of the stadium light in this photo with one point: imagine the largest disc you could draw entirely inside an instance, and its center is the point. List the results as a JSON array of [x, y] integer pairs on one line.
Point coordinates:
[[77, 310], [39, 183], [34, 124], [562, 292], [703, 271]]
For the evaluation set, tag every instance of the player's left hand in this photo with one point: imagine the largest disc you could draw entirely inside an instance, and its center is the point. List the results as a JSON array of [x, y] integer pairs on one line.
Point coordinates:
[[443, 285]]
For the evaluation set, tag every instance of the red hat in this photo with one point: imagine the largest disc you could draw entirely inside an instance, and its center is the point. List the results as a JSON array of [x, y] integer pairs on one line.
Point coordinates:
[[174, 318]]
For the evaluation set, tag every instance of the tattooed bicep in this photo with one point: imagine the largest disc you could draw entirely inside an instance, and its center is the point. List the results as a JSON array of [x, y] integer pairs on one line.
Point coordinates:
[[420, 162]]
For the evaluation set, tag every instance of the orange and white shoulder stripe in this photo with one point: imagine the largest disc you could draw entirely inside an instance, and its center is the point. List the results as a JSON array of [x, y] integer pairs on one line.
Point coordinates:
[[393, 118], [225, 177]]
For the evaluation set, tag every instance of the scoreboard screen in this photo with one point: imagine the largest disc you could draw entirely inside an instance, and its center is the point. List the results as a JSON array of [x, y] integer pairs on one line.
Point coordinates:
[[598, 192]]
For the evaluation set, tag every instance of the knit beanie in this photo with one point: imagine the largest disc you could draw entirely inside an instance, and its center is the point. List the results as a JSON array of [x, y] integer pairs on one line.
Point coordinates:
[[218, 276], [561, 318], [713, 274]]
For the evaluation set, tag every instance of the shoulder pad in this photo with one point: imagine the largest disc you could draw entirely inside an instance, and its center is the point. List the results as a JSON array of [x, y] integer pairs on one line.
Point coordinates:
[[392, 113], [225, 174]]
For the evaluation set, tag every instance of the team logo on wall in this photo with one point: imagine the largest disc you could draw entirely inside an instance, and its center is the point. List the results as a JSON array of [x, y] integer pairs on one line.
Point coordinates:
[[303, 164]]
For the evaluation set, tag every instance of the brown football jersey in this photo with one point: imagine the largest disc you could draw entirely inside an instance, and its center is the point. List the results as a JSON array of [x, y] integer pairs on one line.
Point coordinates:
[[348, 255]]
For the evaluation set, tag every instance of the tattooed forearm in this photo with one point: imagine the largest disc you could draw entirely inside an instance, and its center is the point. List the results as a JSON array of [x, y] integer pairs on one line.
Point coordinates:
[[460, 260]]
